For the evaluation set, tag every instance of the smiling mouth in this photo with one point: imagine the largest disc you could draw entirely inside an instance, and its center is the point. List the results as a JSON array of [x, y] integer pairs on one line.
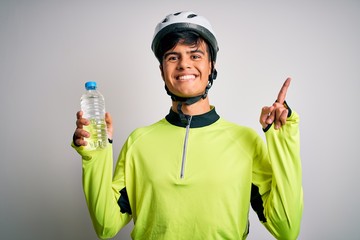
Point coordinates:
[[186, 77]]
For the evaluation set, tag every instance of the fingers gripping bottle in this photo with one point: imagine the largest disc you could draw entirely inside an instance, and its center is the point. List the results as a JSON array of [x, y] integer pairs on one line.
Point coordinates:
[[93, 107]]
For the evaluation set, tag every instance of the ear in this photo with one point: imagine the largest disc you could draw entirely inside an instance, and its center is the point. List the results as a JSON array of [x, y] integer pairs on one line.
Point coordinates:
[[214, 74], [212, 71]]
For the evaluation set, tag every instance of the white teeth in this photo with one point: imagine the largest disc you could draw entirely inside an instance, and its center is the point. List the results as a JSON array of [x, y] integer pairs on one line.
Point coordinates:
[[186, 77]]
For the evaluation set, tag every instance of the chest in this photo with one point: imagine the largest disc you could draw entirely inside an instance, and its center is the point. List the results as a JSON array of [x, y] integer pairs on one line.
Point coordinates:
[[200, 157]]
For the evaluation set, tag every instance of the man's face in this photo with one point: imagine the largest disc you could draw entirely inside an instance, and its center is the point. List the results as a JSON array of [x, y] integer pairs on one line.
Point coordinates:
[[186, 69]]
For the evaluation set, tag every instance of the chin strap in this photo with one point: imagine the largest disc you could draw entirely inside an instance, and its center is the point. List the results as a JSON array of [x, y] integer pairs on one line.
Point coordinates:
[[188, 100], [191, 100]]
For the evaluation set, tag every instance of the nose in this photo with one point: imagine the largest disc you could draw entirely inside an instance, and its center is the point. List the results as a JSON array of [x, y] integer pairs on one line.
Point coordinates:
[[183, 63]]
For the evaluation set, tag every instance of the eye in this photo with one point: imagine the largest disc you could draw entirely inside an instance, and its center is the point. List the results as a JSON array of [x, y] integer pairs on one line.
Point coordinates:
[[195, 56], [171, 58]]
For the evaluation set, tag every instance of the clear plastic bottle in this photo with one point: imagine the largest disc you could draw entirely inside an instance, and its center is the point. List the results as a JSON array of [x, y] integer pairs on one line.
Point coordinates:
[[93, 107]]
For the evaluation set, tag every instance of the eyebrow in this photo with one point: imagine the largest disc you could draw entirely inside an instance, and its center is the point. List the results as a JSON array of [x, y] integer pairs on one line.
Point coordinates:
[[177, 53]]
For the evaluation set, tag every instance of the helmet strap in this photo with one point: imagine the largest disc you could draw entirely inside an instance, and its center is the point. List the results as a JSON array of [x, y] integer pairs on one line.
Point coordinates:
[[191, 100]]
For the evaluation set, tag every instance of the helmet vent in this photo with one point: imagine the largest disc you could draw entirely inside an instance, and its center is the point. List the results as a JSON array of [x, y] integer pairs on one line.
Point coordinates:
[[175, 14], [191, 16], [165, 20]]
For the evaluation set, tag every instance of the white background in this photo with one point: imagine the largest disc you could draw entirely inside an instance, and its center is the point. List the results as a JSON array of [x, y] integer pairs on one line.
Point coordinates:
[[48, 49]]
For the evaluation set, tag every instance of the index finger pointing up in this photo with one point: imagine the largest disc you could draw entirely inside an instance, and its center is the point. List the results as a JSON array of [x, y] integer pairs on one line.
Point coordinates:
[[282, 94]]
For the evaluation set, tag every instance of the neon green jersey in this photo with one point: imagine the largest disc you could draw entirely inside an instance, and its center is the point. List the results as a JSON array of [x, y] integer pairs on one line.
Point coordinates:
[[194, 180]]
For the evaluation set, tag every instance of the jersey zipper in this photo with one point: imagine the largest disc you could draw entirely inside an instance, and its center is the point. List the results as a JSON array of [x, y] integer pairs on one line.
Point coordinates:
[[183, 160]]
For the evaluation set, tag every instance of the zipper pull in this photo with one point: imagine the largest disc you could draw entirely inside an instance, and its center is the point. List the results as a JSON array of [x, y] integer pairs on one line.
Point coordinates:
[[189, 118]]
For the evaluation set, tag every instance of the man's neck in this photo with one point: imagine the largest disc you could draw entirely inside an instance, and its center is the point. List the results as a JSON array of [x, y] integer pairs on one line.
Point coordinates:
[[200, 107]]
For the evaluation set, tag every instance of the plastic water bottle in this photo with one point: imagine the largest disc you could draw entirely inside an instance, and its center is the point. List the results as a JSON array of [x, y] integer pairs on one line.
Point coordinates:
[[93, 107]]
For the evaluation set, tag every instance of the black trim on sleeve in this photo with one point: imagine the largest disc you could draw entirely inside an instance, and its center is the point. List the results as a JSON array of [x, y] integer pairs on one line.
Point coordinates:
[[123, 202], [288, 108], [257, 203], [267, 127], [74, 138]]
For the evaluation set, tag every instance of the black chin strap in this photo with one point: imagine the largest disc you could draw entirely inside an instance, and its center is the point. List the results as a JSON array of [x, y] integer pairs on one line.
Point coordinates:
[[188, 100], [191, 100]]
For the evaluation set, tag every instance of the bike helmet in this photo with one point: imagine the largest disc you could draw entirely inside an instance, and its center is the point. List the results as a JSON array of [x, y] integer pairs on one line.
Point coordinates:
[[185, 21]]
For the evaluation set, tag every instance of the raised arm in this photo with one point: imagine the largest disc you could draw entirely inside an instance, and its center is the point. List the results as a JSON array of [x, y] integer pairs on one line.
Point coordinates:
[[283, 201]]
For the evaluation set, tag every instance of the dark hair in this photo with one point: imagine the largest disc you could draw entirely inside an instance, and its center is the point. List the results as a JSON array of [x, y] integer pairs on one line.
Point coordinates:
[[189, 38]]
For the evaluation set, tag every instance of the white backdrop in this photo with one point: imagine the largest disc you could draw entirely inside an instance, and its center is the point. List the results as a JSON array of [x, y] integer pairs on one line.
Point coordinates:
[[48, 49]]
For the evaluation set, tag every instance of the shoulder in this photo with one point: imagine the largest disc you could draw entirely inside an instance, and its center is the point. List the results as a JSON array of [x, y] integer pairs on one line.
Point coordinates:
[[235, 130], [145, 130]]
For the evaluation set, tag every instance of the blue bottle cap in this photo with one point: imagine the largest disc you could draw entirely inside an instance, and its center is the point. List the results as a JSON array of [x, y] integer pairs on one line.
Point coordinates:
[[90, 85]]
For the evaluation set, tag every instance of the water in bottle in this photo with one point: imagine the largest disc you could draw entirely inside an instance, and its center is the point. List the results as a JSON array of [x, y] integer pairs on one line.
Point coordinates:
[[93, 107]]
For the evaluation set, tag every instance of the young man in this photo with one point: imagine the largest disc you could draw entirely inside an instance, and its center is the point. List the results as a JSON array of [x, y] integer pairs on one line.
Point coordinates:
[[193, 175]]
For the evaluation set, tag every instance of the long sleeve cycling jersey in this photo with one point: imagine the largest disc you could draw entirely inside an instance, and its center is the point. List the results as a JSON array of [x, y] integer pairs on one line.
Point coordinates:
[[196, 179]]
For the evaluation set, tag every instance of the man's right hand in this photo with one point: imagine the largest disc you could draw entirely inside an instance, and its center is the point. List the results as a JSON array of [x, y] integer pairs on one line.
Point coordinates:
[[80, 133]]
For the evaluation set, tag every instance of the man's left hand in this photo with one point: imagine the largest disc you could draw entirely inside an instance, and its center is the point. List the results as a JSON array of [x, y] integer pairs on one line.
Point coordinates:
[[278, 112]]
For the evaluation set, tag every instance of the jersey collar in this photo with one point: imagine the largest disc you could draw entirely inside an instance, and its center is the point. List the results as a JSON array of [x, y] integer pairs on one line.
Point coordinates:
[[197, 121]]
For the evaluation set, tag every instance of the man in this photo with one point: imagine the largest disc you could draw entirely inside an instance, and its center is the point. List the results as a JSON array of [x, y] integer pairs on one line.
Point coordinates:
[[192, 175]]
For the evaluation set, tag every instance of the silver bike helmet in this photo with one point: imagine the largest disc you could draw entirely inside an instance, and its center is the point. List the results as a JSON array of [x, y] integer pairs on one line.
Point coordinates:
[[185, 21]]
